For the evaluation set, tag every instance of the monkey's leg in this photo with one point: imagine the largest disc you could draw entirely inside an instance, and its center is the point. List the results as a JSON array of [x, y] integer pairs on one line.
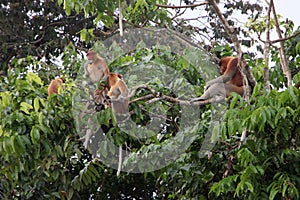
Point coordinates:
[[217, 89]]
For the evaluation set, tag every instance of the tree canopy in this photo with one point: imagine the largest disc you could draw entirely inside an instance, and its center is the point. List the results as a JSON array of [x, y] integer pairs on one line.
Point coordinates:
[[240, 148]]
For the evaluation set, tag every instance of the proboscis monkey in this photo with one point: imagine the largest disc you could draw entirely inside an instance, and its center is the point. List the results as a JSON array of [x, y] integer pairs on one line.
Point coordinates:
[[118, 93], [101, 102], [231, 80], [96, 67], [54, 85]]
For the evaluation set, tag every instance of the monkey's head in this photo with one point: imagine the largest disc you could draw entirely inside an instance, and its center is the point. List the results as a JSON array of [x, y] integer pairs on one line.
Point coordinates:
[[91, 55], [224, 62], [61, 79]]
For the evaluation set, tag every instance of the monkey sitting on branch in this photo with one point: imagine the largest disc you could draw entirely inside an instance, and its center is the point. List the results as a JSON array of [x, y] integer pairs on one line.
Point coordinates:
[[230, 81], [55, 86], [95, 68]]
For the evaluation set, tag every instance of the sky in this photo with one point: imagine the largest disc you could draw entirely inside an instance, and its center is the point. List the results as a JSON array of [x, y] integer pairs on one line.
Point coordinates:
[[289, 9], [286, 8]]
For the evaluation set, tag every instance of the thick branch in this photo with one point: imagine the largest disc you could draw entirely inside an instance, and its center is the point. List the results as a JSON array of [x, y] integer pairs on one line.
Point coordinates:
[[267, 50], [283, 59], [156, 96], [120, 19], [229, 30]]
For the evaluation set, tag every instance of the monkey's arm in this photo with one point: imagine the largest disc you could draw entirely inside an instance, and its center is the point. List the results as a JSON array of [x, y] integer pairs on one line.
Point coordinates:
[[230, 72], [121, 95], [221, 79], [86, 72]]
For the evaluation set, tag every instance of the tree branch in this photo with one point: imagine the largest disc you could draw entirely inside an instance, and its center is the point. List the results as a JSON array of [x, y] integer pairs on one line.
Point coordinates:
[[234, 39], [283, 59], [178, 7], [156, 96], [279, 40], [267, 50]]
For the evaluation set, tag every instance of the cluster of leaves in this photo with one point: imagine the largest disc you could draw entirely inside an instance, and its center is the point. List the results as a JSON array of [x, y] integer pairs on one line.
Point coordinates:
[[264, 166], [37, 142], [37, 28], [42, 156], [41, 153]]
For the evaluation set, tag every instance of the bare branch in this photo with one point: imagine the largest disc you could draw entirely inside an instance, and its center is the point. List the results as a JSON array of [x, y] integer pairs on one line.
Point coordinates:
[[279, 40], [178, 7], [144, 86], [142, 98], [156, 96], [283, 59], [267, 50]]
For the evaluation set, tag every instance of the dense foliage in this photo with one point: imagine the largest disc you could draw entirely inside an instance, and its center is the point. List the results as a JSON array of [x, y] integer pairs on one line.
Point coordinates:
[[190, 152]]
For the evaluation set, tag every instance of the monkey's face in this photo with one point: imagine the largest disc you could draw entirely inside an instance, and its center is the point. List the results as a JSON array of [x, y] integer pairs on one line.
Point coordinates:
[[222, 69], [91, 55]]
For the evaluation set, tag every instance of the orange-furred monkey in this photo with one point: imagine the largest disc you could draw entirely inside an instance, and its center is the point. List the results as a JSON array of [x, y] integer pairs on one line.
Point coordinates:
[[54, 85], [96, 67], [231, 80], [118, 93], [101, 102]]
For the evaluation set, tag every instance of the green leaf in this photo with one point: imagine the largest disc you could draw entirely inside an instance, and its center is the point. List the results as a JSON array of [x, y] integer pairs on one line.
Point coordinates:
[[56, 194], [25, 107], [68, 5], [103, 148], [20, 144], [5, 98], [35, 135], [12, 142], [223, 130], [101, 6], [230, 125], [59, 2], [46, 146], [215, 133], [36, 104], [83, 34], [234, 100], [273, 194], [280, 114], [70, 193], [293, 95], [285, 186], [250, 186], [94, 170], [297, 48], [32, 77]]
